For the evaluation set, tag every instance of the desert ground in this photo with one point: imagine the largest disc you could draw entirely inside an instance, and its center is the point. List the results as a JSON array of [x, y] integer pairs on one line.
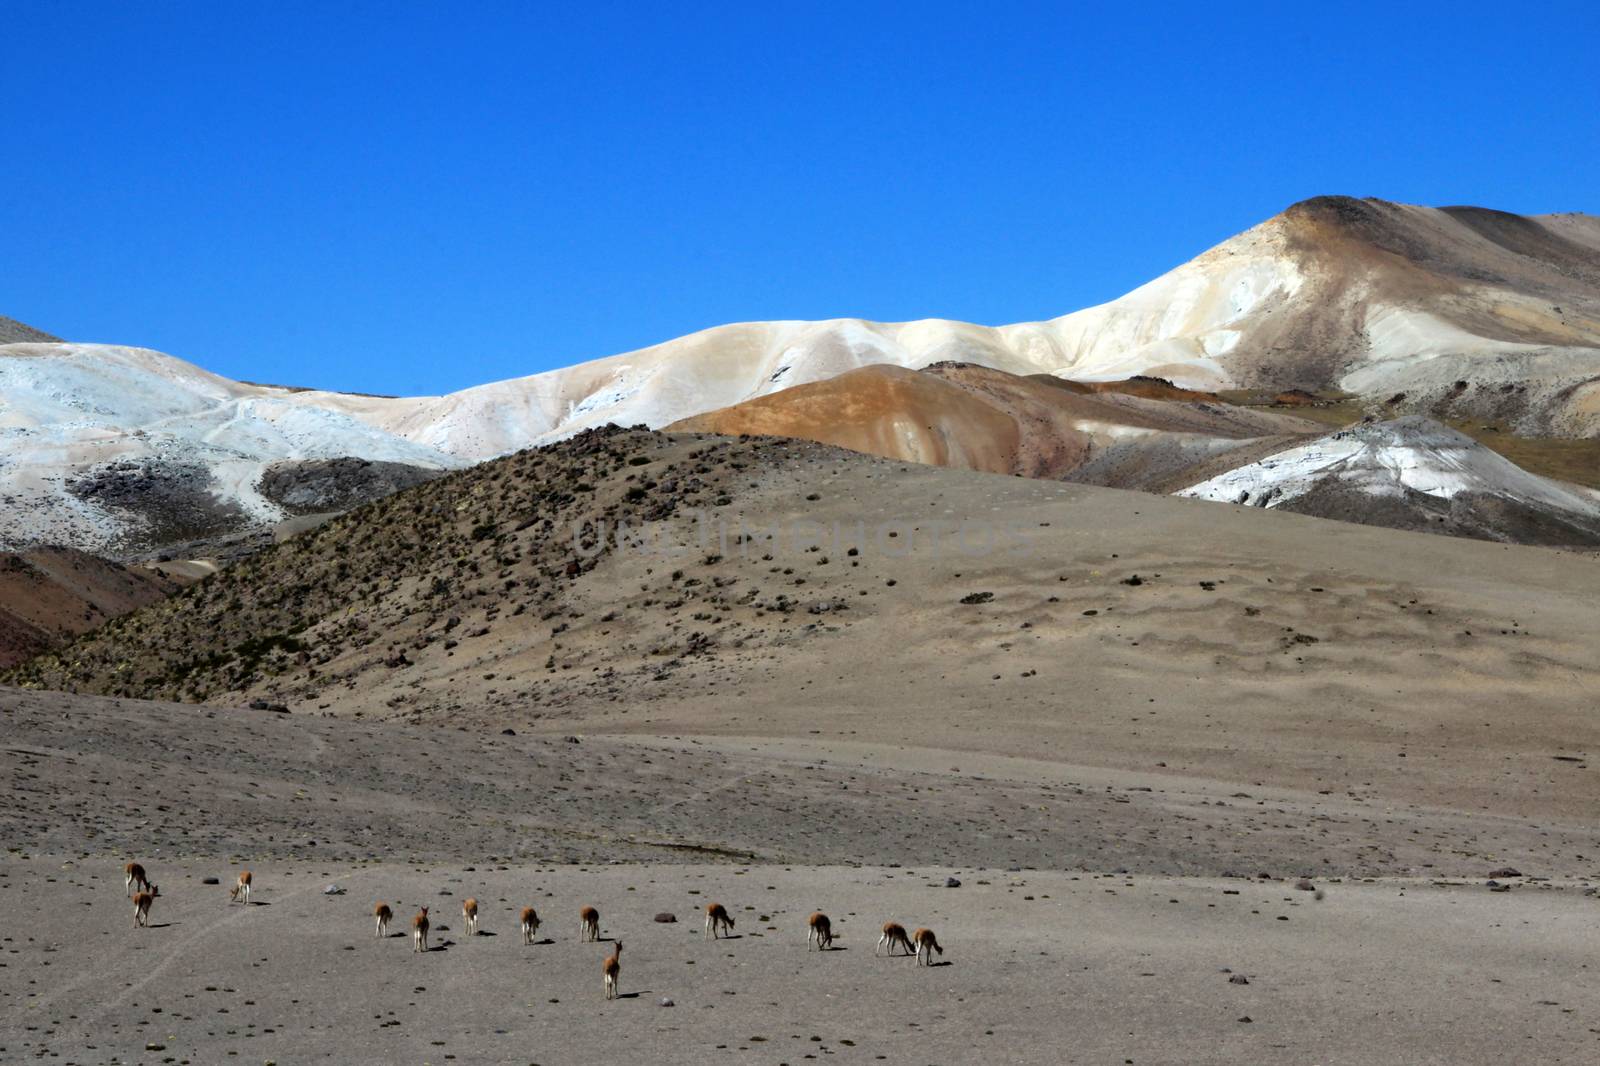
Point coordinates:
[[1101, 915]]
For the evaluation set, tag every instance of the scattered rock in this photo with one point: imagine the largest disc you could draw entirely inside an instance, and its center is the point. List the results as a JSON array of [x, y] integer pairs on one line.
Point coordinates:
[[666, 917], [952, 882], [1239, 979]]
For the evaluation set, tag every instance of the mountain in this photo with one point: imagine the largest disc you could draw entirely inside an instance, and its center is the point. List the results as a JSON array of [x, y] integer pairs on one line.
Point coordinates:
[[1459, 312], [1130, 434], [51, 594], [1413, 473], [775, 587], [1467, 311], [127, 450], [14, 332]]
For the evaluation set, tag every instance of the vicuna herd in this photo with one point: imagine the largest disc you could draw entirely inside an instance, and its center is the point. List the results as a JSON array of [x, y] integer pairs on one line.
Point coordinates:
[[819, 930]]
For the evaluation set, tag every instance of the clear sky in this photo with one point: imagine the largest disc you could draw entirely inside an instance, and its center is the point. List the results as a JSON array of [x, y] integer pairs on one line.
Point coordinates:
[[413, 198]]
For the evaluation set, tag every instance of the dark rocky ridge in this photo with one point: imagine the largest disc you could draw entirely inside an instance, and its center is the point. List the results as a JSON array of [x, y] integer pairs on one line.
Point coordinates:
[[14, 332], [318, 486]]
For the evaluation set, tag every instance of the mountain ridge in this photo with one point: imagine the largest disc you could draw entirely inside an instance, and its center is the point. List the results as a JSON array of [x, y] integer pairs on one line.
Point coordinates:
[[1457, 312]]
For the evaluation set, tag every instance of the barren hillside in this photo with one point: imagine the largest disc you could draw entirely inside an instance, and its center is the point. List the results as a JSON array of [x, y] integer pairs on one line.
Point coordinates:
[[49, 595], [994, 613], [1130, 434]]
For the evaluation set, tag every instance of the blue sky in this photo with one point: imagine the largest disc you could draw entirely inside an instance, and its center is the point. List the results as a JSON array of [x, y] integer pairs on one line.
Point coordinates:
[[415, 198]]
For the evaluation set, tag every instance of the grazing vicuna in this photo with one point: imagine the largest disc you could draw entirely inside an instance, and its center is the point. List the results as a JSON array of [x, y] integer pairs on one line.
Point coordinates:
[[469, 915], [134, 873], [819, 931], [894, 934], [588, 924], [926, 944], [241, 888], [717, 917], [613, 969], [530, 924], [419, 931], [382, 913], [141, 905]]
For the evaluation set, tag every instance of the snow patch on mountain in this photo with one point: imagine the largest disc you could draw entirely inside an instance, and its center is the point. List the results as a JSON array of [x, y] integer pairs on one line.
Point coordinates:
[[1385, 459]]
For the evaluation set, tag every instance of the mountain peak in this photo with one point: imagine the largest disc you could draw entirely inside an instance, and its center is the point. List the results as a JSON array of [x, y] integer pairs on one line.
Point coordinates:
[[14, 332]]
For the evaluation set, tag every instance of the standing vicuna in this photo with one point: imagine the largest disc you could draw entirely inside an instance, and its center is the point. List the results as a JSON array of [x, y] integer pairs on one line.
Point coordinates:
[[717, 917], [613, 967], [141, 905], [530, 924], [820, 931], [241, 888], [894, 934], [419, 931], [382, 913], [926, 944], [588, 924], [134, 874], [469, 915]]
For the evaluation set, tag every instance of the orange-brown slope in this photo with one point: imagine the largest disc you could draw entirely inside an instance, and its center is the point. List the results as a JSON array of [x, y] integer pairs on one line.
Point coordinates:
[[975, 418], [50, 594], [890, 411]]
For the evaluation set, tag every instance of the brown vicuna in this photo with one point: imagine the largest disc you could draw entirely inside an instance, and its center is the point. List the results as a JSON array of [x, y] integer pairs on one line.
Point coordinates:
[[383, 914], [717, 917], [530, 924], [469, 915], [926, 944], [588, 924], [141, 905], [419, 931], [819, 931], [613, 969], [894, 934], [134, 874], [241, 888]]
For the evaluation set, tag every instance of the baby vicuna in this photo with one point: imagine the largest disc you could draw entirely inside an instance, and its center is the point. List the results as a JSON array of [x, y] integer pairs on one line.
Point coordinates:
[[382, 913], [820, 931], [469, 915], [530, 924], [241, 888], [141, 905], [717, 917], [613, 968], [419, 931]]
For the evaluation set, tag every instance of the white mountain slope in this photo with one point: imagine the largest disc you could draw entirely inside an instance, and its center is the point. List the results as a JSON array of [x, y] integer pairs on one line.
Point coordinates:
[[1466, 310], [1413, 473], [1462, 310], [105, 448]]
